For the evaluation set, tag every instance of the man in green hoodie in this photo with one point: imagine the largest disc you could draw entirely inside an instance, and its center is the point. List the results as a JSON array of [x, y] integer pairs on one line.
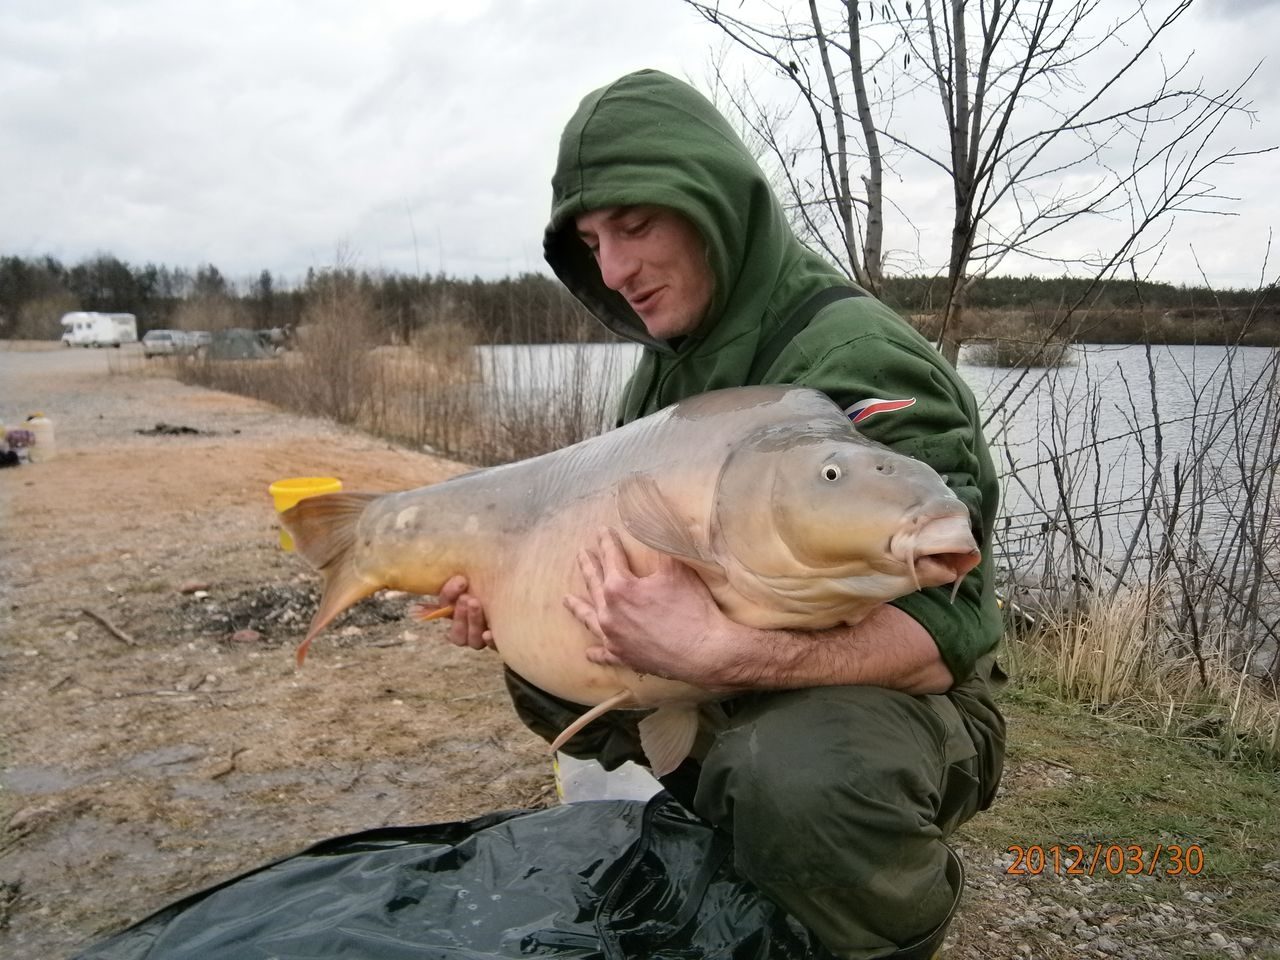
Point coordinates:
[[847, 756]]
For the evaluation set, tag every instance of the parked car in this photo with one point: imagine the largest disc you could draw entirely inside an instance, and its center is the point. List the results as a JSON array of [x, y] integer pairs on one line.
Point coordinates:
[[162, 343]]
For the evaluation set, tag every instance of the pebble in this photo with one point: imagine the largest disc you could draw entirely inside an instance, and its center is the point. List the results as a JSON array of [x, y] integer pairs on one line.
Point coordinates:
[[246, 636], [191, 586]]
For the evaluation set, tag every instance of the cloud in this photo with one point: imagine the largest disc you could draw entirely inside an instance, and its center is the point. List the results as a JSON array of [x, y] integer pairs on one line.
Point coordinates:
[[265, 135]]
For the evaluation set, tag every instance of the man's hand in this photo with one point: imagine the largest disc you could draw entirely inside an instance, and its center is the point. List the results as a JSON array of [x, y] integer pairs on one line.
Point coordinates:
[[666, 624], [470, 629]]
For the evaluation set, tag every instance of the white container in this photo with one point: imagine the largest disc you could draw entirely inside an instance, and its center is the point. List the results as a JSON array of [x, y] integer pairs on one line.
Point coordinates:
[[45, 447], [587, 780]]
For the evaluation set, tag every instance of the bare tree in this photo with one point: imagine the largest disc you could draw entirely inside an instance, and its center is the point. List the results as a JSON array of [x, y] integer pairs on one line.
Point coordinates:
[[1052, 115]]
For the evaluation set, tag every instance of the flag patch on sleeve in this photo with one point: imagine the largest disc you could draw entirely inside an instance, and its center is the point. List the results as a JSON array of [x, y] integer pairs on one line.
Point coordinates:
[[870, 407]]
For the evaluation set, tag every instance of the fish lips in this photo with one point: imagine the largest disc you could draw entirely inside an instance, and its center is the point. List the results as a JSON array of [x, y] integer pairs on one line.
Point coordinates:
[[937, 549]]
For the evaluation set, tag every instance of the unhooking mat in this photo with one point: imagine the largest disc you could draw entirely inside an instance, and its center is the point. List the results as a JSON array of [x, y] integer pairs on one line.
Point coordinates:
[[604, 880]]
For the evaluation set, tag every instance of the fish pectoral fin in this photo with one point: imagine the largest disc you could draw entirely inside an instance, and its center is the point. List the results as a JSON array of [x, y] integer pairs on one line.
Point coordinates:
[[648, 515], [623, 698], [421, 610], [667, 736]]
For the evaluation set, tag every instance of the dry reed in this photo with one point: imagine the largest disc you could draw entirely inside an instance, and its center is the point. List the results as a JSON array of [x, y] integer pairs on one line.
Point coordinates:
[[481, 404], [1116, 655]]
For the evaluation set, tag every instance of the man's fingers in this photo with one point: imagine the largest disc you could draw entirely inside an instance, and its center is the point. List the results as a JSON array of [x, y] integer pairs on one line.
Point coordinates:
[[453, 588], [476, 624], [458, 630], [602, 657], [592, 575], [612, 554], [585, 613], [469, 624]]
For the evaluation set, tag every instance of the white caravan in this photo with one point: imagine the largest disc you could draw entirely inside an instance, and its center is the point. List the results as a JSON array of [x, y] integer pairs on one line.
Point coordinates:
[[99, 329]]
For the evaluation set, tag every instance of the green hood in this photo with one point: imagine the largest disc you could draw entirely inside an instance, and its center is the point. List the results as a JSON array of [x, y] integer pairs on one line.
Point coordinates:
[[651, 139]]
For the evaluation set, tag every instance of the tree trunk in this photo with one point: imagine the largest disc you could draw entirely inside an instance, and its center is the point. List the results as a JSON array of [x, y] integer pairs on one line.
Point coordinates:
[[950, 339], [874, 239]]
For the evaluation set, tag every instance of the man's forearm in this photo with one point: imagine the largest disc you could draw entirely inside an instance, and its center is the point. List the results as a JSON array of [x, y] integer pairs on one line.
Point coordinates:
[[887, 649], [668, 624]]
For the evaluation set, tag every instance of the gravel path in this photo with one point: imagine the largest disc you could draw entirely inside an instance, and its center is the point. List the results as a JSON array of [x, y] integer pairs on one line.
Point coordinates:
[[71, 387]]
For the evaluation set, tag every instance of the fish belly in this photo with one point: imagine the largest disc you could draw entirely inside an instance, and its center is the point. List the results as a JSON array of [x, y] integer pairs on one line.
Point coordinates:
[[536, 635]]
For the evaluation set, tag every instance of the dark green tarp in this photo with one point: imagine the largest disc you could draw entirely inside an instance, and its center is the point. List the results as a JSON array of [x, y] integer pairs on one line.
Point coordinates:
[[610, 879]]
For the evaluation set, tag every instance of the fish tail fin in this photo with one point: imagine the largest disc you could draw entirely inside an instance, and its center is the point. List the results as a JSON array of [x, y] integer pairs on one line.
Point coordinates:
[[667, 736], [623, 698], [324, 534], [324, 527]]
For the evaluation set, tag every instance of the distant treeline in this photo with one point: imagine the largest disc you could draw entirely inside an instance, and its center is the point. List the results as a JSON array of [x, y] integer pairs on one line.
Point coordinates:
[[36, 292], [924, 294]]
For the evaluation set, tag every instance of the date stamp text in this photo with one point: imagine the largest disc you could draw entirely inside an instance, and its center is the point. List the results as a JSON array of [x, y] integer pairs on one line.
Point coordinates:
[[1106, 859]]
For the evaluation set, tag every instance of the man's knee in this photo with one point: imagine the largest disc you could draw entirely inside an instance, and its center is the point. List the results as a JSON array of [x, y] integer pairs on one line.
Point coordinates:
[[864, 757]]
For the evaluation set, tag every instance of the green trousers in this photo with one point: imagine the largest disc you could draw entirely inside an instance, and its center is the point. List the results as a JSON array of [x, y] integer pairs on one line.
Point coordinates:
[[839, 799]]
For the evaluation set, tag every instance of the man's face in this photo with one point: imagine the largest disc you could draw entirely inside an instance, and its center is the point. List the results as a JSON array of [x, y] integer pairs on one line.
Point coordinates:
[[655, 258]]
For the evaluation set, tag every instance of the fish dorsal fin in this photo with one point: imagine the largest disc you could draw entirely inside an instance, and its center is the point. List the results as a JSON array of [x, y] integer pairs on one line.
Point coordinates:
[[324, 534], [648, 516], [667, 736]]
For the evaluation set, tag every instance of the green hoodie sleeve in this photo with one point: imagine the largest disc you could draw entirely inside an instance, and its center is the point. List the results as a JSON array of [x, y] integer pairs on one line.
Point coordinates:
[[941, 428]]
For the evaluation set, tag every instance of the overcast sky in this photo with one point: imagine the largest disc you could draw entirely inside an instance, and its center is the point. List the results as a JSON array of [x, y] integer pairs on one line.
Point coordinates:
[[413, 135]]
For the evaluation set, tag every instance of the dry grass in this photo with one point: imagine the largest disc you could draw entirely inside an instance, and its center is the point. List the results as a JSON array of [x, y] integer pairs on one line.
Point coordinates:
[[477, 403], [1014, 352], [1012, 339], [1116, 656], [131, 362], [1100, 654], [31, 346]]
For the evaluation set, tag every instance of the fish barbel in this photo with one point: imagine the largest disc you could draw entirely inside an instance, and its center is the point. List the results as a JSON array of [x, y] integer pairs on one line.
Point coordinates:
[[791, 518]]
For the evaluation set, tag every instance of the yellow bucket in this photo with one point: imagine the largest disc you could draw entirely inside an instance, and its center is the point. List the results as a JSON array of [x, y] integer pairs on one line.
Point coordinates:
[[287, 492]]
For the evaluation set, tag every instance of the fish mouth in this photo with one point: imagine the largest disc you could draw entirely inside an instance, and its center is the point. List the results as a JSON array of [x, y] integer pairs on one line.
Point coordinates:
[[939, 568], [937, 550]]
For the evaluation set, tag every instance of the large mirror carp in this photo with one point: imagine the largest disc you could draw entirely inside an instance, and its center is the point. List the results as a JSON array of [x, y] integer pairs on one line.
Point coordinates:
[[791, 518]]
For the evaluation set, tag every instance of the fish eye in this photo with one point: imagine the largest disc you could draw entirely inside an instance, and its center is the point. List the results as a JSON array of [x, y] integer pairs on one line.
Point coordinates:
[[831, 472]]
